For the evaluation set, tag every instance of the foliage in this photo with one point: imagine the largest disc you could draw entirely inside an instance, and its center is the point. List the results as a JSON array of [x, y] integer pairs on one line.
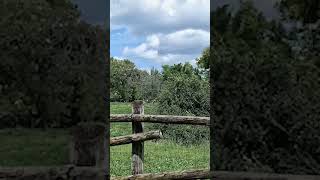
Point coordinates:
[[179, 89], [184, 92], [52, 67], [150, 86], [306, 11], [128, 83], [266, 102], [125, 78]]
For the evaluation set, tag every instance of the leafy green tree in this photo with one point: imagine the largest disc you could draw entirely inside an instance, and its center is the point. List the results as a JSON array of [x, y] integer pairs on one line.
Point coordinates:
[[125, 79], [184, 91], [52, 69], [150, 86], [203, 60], [260, 98]]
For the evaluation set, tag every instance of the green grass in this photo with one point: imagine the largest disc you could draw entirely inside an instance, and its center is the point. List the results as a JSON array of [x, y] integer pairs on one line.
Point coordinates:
[[159, 156], [125, 108], [33, 147], [25, 147]]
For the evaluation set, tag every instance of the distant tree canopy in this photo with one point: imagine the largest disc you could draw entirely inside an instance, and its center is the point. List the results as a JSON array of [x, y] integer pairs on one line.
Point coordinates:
[[52, 69], [265, 98], [128, 83], [306, 11]]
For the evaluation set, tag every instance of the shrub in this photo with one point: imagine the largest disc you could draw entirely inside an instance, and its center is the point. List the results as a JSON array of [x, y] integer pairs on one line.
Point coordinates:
[[184, 92]]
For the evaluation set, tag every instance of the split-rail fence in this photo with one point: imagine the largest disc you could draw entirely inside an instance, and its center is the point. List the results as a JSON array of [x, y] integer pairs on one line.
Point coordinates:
[[89, 154]]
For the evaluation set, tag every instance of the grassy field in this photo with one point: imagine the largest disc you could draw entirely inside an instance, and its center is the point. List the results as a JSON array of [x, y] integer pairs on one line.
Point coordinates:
[[160, 156], [25, 147]]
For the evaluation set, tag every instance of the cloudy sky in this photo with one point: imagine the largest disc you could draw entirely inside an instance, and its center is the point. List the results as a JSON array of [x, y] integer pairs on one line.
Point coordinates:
[[156, 32]]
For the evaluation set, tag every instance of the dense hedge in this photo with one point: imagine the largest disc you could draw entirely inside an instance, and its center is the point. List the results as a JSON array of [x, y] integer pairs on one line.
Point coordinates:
[[267, 116], [266, 100], [52, 67]]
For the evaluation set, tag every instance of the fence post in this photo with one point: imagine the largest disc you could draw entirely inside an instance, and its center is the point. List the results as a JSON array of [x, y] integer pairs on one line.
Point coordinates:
[[137, 147], [88, 148]]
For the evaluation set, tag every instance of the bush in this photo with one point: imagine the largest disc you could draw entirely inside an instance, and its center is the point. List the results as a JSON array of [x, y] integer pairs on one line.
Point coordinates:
[[185, 91]]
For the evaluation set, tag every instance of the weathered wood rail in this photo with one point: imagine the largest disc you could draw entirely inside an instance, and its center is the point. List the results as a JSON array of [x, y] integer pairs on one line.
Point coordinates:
[[217, 175], [189, 174], [164, 119], [135, 138]]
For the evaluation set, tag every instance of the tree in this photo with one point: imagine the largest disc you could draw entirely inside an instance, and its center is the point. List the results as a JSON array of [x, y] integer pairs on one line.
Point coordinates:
[[260, 98], [51, 65], [306, 11], [203, 60], [184, 91], [125, 79], [150, 86]]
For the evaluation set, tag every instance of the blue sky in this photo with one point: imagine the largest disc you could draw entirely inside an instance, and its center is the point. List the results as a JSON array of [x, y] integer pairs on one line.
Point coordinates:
[[156, 32]]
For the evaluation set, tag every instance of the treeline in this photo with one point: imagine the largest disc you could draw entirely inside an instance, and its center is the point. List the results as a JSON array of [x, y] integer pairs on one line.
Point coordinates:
[[179, 89], [128, 83]]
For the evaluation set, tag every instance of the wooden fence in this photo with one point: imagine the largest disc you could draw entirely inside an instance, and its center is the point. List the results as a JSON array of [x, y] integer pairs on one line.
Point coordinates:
[[89, 158], [139, 136]]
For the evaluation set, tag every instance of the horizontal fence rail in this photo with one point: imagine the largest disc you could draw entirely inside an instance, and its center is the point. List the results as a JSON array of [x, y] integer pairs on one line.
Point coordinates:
[[190, 174], [218, 175], [165, 119], [229, 175], [135, 137]]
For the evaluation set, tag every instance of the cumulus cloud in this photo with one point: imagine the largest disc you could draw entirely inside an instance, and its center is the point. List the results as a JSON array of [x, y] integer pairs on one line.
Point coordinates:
[[184, 45], [173, 31], [159, 16]]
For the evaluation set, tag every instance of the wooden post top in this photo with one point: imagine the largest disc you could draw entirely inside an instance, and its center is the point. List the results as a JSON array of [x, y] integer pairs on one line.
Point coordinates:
[[137, 103], [137, 107]]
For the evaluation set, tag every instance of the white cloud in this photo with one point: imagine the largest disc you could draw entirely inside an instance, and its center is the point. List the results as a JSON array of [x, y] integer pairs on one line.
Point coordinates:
[[175, 31], [119, 58], [188, 41], [170, 48], [146, 69], [160, 16]]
